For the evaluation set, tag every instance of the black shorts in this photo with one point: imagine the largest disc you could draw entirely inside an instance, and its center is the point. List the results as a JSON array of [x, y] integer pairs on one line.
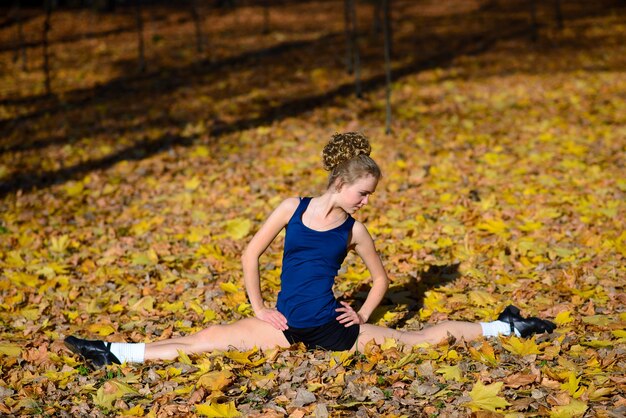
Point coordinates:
[[332, 336]]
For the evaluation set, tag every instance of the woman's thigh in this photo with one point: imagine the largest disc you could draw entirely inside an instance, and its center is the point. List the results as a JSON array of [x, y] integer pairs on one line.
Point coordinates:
[[378, 334], [242, 335], [431, 335]]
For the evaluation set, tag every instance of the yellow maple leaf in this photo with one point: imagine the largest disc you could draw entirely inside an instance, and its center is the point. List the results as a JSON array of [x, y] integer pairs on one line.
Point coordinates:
[[435, 302], [10, 350], [521, 347], [485, 354], [451, 373], [485, 397], [169, 372], [619, 333], [216, 380], [345, 358], [192, 183], [111, 391], [229, 287], [118, 307], [209, 315], [30, 314], [573, 409], [563, 318], [245, 309], [530, 226], [14, 259], [197, 234], [495, 226], [243, 357], [214, 409], [452, 355], [146, 303], [74, 188], [201, 151], [101, 329], [147, 258], [548, 212], [599, 394], [20, 278], [59, 244], [258, 380], [141, 227], [195, 306], [388, 317], [598, 343], [13, 301], [599, 320], [61, 378], [408, 358], [173, 307], [389, 343], [572, 386], [135, 411], [183, 357], [238, 228], [482, 298], [184, 390]]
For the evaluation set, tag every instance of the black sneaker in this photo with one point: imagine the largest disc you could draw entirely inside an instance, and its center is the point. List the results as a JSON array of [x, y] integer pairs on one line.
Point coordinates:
[[98, 352], [525, 326]]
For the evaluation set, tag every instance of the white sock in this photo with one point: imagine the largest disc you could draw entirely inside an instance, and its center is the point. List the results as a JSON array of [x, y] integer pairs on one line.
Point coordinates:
[[495, 328], [129, 352]]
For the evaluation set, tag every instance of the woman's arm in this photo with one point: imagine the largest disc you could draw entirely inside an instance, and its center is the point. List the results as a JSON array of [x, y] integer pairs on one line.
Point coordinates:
[[363, 244], [250, 261]]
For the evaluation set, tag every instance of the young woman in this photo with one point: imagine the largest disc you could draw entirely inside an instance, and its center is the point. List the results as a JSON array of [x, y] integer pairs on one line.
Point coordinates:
[[319, 233]]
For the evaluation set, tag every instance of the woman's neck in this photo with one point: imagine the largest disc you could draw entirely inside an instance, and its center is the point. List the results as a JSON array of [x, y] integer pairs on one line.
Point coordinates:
[[323, 213]]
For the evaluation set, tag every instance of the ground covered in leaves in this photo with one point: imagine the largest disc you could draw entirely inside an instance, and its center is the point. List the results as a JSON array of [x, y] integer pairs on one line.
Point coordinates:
[[127, 200]]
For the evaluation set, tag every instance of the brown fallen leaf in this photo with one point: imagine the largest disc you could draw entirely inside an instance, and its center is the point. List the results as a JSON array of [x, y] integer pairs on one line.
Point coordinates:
[[519, 379]]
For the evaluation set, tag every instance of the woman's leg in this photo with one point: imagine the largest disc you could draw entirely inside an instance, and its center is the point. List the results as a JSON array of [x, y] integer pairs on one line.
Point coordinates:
[[241, 335], [433, 335], [509, 321]]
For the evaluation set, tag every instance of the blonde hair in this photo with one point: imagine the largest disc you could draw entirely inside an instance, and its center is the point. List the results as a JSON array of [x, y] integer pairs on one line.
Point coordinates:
[[347, 158]]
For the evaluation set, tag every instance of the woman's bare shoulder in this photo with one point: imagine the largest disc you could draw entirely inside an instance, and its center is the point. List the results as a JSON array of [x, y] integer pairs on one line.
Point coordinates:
[[290, 203], [287, 207], [360, 234]]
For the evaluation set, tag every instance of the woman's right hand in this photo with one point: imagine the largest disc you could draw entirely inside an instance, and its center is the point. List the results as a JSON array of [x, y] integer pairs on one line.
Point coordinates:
[[275, 318]]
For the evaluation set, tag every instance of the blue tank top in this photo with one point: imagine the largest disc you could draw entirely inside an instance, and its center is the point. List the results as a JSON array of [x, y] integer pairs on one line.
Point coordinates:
[[311, 260]]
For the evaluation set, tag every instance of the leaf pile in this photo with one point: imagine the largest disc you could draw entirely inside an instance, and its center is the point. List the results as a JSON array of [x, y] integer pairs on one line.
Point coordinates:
[[503, 183]]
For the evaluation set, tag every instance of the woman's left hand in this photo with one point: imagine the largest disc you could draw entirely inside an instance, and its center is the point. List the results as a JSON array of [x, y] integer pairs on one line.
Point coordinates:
[[349, 316]]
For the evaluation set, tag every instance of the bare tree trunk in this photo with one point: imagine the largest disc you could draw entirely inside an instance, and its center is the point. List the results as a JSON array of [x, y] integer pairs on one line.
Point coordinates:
[[139, 19], [558, 14], [355, 49], [376, 16], [195, 13], [20, 50], [386, 5], [235, 9], [46, 44], [266, 16], [347, 26], [387, 38], [533, 21], [103, 6]]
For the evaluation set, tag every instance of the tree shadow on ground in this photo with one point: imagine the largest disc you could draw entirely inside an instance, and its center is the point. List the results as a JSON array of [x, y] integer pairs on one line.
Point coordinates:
[[36, 179], [127, 99]]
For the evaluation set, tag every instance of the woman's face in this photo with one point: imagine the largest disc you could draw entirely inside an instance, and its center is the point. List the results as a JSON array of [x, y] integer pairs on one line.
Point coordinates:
[[354, 196]]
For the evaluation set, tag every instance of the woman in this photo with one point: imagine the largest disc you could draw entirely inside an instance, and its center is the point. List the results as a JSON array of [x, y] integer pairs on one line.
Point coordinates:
[[319, 233]]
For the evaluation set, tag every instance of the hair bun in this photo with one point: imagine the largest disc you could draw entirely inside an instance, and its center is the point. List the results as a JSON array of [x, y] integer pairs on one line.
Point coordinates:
[[343, 147]]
